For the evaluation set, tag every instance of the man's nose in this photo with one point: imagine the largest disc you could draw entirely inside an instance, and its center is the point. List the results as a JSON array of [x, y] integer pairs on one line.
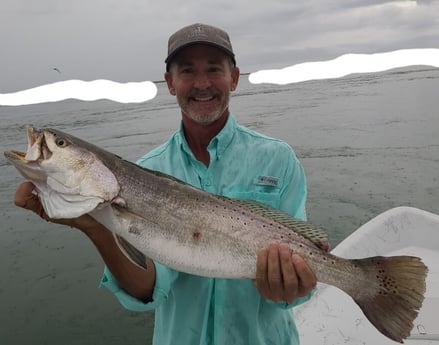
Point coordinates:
[[202, 81]]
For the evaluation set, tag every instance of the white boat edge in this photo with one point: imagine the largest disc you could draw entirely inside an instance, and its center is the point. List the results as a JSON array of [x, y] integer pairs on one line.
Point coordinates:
[[331, 317]]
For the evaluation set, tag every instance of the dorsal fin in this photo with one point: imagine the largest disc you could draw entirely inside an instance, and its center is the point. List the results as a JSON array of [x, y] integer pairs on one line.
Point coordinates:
[[308, 230]]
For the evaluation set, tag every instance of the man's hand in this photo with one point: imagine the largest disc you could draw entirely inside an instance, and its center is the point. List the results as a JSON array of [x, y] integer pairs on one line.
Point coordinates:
[[136, 280], [281, 275], [26, 198]]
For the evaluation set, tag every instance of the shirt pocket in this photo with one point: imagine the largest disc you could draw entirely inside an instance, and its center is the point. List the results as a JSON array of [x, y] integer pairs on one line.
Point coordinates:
[[268, 198]]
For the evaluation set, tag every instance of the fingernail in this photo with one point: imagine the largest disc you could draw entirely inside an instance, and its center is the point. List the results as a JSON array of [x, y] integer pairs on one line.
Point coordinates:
[[284, 247], [272, 245], [296, 258]]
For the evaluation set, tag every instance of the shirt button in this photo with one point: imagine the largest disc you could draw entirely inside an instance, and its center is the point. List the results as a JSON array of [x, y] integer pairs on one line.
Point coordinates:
[[208, 182]]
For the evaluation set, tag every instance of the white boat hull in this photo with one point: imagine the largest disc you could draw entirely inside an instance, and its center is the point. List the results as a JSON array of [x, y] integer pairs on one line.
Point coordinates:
[[331, 316]]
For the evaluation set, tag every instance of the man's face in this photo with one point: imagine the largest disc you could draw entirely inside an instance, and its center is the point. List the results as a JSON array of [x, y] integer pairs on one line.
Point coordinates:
[[201, 77]]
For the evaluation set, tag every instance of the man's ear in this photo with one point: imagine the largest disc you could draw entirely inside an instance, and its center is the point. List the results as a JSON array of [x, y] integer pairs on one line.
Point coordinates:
[[235, 78], [168, 78]]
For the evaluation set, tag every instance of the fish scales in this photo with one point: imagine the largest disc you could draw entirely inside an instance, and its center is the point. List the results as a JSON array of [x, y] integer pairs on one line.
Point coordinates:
[[196, 223], [209, 228]]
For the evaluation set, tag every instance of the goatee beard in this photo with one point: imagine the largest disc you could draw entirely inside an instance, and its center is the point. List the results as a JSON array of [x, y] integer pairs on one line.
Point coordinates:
[[204, 119]]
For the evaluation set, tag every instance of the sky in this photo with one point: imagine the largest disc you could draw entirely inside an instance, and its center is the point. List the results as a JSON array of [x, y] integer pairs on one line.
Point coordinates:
[[126, 41]]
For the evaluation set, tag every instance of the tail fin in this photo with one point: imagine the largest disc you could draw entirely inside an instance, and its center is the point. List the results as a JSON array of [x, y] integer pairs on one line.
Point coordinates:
[[396, 295]]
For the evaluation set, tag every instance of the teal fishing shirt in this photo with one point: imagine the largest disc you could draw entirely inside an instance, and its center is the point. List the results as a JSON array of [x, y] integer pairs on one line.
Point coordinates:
[[196, 310]]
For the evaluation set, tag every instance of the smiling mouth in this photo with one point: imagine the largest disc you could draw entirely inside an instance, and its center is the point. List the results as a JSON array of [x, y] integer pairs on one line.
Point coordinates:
[[203, 99]]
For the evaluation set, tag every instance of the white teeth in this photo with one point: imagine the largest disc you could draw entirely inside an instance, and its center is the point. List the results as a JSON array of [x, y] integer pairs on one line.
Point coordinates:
[[203, 99]]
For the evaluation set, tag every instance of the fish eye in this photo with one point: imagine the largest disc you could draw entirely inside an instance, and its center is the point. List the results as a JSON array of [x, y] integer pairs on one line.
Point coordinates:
[[60, 142]]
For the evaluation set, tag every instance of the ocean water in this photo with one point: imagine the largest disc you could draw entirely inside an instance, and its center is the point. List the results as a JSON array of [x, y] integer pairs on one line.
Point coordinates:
[[368, 143]]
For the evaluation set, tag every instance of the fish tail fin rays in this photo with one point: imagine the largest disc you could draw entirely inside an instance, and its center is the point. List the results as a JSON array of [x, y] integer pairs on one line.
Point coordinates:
[[398, 287]]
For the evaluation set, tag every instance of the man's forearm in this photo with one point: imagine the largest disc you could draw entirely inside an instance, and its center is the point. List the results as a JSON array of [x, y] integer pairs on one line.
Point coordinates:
[[135, 280]]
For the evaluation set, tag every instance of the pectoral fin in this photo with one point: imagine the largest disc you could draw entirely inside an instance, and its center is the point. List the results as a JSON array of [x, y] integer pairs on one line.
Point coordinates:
[[131, 252]]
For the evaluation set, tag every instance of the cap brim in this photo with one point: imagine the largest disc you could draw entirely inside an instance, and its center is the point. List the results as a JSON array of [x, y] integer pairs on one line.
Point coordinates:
[[179, 49]]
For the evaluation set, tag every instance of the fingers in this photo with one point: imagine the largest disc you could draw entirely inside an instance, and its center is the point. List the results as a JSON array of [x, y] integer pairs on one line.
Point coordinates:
[[274, 272], [275, 275], [26, 198], [289, 274], [325, 245], [281, 276], [306, 276], [261, 280], [23, 193]]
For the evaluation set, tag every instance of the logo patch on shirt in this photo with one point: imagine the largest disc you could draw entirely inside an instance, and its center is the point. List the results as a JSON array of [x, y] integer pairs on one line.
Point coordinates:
[[268, 181]]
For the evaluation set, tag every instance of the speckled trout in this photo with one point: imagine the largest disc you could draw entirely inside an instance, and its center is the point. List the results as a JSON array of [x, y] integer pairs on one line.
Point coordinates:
[[190, 230]]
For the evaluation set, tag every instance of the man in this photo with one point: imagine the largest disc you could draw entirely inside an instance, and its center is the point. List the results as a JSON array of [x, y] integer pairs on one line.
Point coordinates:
[[212, 152]]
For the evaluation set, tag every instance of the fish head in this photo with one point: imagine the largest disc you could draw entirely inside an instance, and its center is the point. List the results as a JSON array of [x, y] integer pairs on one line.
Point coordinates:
[[70, 178]]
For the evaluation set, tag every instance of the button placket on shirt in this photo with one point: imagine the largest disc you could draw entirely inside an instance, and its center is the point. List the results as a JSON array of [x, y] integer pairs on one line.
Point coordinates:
[[204, 175], [207, 181]]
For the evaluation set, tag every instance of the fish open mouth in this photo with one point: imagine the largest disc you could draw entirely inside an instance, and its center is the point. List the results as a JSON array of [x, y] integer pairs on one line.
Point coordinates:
[[35, 142], [29, 163]]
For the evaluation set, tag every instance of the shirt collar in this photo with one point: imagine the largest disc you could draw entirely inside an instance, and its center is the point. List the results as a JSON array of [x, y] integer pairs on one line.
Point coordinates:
[[218, 144]]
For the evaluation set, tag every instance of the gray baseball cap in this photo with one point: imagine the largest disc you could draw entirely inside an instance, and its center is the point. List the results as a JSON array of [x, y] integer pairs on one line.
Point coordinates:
[[198, 34]]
